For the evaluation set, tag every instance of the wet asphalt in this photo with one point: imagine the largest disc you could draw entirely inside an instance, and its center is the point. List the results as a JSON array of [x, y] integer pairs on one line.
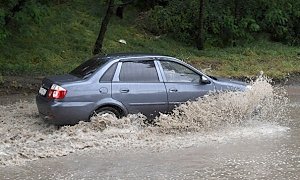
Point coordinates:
[[274, 156]]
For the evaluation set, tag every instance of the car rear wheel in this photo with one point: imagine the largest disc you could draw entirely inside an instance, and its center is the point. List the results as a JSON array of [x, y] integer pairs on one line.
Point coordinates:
[[104, 111]]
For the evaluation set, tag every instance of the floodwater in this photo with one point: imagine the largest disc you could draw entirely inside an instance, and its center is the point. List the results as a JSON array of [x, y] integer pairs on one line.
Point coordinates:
[[253, 135]]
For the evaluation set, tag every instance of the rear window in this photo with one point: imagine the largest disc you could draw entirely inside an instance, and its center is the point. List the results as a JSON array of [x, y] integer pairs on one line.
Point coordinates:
[[87, 68]]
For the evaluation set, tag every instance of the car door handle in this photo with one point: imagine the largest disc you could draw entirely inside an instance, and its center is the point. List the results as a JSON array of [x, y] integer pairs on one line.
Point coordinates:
[[173, 90], [124, 90]]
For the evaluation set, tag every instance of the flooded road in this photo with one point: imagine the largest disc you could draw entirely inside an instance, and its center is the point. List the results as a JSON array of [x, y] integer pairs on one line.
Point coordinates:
[[251, 150]]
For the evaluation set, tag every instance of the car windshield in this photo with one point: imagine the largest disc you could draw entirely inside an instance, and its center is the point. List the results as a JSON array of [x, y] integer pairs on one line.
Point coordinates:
[[88, 67]]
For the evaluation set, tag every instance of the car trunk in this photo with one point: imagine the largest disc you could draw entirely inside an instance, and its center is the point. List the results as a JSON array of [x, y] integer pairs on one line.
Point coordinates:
[[59, 80]]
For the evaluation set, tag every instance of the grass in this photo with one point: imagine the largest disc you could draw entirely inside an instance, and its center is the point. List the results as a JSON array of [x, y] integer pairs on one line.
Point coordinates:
[[66, 36]]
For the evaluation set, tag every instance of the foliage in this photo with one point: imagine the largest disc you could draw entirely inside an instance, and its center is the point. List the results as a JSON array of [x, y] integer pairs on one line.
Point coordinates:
[[1, 79], [3, 31], [228, 22], [177, 18], [282, 21], [17, 15], [63, 34], [147, 4]]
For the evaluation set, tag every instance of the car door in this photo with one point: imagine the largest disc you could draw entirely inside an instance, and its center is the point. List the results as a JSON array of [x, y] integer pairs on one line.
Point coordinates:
[[182, 83], [139, 87]]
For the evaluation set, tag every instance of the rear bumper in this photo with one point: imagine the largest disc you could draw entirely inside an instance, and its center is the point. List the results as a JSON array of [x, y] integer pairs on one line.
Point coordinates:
[[63, 113]]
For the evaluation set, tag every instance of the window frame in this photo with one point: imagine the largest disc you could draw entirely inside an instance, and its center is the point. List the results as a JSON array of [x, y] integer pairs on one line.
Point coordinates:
[[113, 64], [116, 77], [182, 64]]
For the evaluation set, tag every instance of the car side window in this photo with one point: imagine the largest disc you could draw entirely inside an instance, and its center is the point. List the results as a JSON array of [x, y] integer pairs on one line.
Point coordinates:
[[109, 74], [138, 71], [176, 72]]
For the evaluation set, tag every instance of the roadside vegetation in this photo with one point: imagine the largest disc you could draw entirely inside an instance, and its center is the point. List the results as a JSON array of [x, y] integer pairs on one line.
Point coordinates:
[[54, 37]]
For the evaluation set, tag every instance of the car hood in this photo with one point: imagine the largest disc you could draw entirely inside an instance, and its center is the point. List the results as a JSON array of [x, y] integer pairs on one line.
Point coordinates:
[[231, 81], [222, 84]]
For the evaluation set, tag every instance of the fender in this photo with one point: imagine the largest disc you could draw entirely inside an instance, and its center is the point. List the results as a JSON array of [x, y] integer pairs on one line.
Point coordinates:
[[110, 102]]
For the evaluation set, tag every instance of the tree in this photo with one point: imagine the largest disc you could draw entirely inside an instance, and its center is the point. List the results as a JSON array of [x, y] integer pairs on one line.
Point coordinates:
[[100, 38], [200, 38], [110, 10]]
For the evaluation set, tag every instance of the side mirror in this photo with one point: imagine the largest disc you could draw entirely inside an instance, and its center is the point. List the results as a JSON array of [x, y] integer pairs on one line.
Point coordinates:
[[204, 80]]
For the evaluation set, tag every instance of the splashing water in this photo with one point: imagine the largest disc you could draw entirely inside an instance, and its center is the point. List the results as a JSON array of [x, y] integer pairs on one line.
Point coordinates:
[[217, 117], [261, 103]]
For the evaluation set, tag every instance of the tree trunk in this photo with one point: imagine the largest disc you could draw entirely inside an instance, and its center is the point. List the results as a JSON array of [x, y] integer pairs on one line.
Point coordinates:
[[200, 38], [18, 7], [121, 7], [120, 11], [105, 21], [237, 10]]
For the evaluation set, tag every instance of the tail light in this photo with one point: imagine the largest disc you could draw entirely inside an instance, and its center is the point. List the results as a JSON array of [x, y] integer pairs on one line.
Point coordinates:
[[56, 92]]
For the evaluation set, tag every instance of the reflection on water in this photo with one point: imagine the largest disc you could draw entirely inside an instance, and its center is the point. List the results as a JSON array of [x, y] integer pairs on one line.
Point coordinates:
[[183, 149]]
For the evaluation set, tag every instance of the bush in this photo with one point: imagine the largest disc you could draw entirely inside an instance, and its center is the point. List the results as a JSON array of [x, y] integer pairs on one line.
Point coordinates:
[[18, 15], [283, 21], [176, 19], [228, 22]]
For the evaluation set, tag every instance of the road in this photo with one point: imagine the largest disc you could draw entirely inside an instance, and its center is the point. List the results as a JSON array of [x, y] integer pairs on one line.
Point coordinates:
[[266, 151]]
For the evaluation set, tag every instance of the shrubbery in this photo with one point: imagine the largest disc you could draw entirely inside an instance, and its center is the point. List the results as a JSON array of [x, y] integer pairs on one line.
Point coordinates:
[[17, 15], [228, 22], [178, 18]]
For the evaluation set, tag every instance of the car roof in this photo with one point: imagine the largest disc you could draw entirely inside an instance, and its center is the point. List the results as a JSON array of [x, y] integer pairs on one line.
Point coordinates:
[[114, 56]]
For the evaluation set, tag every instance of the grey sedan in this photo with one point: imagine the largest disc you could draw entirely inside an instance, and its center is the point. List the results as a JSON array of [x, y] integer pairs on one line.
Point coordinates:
[[121, 84]]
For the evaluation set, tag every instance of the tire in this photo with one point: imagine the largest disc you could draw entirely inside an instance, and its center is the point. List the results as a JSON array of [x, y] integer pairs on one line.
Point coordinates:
[[106, 110]]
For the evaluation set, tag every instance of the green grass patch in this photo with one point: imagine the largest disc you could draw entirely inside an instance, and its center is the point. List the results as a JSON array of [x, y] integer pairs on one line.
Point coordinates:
[[66, 36]]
